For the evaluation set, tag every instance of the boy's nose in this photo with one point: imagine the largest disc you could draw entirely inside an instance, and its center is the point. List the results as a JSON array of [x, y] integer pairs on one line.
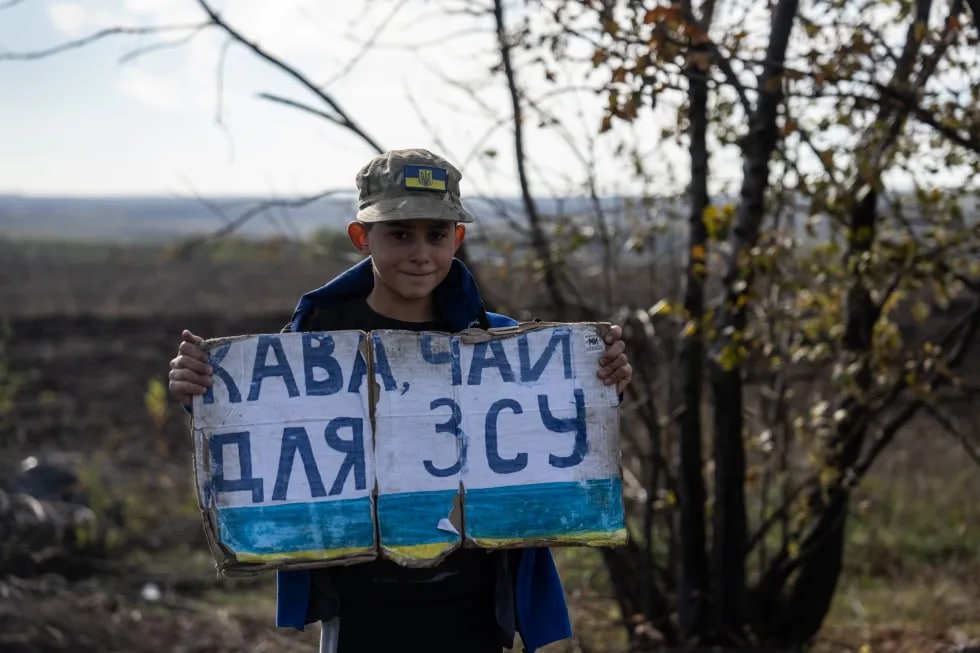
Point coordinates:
[[420, 250]]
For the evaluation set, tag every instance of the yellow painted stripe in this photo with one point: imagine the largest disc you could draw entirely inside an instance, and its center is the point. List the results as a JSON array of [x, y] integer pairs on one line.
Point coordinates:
[[416, 551], [322, 554], [600, 538]]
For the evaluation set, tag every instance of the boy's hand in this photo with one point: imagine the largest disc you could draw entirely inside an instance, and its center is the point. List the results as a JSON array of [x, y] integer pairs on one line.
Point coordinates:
[[190, 373], [614, 366]]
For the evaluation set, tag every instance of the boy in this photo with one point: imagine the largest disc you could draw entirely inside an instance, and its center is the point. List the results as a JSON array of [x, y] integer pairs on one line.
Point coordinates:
[[410, 224]]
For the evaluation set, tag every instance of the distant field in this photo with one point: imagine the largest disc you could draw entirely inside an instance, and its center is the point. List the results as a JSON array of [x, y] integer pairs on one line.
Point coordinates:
[[55, 278], [160, 219], [166, 219]]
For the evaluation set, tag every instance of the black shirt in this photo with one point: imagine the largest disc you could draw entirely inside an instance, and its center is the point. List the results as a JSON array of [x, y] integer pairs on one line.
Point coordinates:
[[386, 607]]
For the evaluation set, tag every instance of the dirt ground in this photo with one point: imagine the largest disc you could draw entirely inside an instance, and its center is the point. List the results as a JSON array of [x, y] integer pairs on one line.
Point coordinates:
[[90, 337]]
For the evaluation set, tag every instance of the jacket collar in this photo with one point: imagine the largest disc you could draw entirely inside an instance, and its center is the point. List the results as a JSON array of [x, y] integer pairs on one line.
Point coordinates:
[[457, 298]]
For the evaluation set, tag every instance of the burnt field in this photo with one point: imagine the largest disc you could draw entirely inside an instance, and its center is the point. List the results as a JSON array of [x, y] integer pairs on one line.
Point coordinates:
[[89, 332], [89, 336]]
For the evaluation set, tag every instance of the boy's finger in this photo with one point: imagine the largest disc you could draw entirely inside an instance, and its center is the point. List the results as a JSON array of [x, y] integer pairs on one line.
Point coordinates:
[[191, 349], [613, 351], [190, 378], [615, 333], [624, 376], [184, 362], [188, 336], [182, 389], [608, 370]]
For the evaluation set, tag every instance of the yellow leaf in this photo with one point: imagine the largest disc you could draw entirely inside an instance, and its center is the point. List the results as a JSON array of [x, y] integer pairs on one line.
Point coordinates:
[[920, 311], [729, 358], [793, 549], [717, 220], [697, 252], [662, 307], [710, 217], [827, 476], [156, 403]]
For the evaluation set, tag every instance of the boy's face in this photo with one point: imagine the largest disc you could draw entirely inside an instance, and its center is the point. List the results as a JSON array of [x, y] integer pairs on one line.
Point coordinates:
[[410, 257]]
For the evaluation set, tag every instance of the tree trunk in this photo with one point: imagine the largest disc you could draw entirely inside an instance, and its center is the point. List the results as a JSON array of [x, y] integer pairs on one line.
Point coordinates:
[[692, 593], [729, 522]]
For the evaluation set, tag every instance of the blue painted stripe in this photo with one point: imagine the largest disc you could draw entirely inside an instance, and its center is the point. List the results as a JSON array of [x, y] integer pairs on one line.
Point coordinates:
[[410, 518], [289, 527], [545, 509]]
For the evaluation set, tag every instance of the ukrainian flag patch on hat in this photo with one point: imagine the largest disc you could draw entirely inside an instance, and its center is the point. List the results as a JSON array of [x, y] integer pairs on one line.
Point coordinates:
[[426, 178]]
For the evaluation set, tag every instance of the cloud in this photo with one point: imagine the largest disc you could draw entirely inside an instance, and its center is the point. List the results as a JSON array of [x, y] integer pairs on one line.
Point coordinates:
[[154, 91], [68, 17], [162, 11]]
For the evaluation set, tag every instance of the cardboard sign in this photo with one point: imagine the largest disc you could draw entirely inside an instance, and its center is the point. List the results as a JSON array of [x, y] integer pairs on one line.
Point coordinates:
[[332, 448]]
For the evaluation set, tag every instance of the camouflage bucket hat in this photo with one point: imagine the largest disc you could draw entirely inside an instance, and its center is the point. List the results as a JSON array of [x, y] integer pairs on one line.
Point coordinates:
[[409, 185]]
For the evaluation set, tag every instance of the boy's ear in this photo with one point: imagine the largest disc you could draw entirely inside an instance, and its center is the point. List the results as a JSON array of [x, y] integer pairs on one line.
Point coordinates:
[[460, 234], [358, 237]]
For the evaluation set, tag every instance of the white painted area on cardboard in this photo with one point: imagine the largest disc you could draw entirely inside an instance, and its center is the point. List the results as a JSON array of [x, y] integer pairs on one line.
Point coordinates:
[[274, 404], [405, 420], [266, 444], [524, 433], [266, 418]]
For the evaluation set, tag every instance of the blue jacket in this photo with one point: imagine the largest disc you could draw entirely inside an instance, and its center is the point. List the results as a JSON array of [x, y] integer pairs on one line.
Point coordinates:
[[539, 601]]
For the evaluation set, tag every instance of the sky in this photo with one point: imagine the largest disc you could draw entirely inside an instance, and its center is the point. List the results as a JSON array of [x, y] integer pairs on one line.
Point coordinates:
[[93, 121]]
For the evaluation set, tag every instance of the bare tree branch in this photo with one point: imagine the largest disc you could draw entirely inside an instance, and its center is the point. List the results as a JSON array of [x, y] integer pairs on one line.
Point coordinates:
[[341, 118], [267, 205], [33, 55], [950, 428], [438, 42], [162, 45], [975, 8], [368, 44], [219, 84], [969, 326], [301, 106], [724, 63], [902, 101], [538, 240]]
